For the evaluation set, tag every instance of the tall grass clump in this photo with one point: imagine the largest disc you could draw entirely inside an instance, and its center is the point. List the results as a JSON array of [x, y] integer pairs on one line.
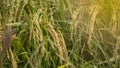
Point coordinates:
[[59, 34]]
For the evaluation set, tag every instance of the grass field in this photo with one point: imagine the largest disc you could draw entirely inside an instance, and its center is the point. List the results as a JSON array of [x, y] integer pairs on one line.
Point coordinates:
[[59, 34]]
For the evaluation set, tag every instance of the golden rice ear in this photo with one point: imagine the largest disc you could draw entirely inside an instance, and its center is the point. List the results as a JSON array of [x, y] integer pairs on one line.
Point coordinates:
[[63, 46], [59, 40]]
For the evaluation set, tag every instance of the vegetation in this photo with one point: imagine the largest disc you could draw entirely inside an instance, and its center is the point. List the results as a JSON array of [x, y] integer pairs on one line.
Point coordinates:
[[59, 33]]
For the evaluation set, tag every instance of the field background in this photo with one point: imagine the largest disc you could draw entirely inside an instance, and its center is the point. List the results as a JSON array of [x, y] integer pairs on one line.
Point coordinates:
[[60, 33]]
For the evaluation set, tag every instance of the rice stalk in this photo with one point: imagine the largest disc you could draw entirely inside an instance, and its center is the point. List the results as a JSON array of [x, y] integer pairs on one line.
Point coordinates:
[[63, 46], [94, 11], [14, 63], [1, 34], [115, 32], [56, 40], [36, 37]]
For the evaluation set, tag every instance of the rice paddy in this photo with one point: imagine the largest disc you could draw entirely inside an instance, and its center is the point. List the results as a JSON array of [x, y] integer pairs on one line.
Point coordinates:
[[59, 34]]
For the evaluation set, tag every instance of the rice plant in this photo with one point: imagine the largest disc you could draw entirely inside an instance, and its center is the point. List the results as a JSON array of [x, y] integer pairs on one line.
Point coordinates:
[[59, 34]]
